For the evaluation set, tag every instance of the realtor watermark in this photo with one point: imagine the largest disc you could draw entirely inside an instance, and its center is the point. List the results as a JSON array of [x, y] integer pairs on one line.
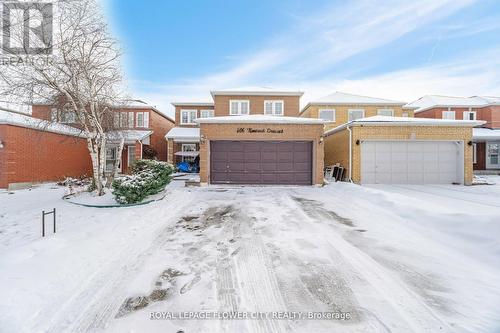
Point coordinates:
[[27, 31], [248, 315]]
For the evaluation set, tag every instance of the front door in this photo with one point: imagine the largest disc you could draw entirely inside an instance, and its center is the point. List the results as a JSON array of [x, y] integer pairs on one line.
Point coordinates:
[[492, 158]]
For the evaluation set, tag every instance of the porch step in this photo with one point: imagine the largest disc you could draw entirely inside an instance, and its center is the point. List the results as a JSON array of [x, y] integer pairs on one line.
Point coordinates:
[[487, 172]]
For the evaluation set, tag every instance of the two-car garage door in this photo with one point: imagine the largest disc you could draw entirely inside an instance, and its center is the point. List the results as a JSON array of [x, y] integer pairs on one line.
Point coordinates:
[[261, 162], [411, 162]]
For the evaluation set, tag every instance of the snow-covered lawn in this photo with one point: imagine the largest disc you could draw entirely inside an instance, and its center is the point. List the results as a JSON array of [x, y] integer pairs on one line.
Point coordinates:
[[392, 258]]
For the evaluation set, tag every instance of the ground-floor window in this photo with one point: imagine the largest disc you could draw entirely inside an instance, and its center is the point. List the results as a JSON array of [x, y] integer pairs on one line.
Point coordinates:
[[492, 155], [131, 155], [188, 147], [111, 153]]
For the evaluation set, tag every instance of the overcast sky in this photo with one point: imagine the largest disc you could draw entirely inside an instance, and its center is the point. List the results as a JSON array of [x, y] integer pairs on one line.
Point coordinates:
[[180, 50]]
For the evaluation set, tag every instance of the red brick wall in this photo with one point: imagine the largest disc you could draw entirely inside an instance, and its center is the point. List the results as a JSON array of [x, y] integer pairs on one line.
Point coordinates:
[[178, 109], [292, 104], [41, 112], [160, 126], [31, 155], [490, 114]]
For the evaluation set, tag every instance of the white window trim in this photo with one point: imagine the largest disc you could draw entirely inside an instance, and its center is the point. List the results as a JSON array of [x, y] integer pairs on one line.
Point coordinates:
[[355, 110], [188, 158], [211, 112], [239, 101], [467, 113], [131, 120], [448, 112], [119, 162], [474, 153], [190, 121], [382, 110], [334, 118], [273, 108], [128, 154], [188, 145]]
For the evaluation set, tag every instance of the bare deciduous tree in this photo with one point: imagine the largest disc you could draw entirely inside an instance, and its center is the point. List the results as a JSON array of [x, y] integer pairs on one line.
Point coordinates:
[[83, 73]]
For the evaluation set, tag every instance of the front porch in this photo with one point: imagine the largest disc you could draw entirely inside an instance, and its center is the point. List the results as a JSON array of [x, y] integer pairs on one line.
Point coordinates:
[[486, 151], [134, 142], [183, 145]]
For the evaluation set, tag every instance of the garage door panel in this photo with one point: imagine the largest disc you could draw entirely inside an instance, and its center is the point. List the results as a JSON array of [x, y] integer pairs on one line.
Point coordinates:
[[261, 162], [252, 156], [411, 162], [252, 166]]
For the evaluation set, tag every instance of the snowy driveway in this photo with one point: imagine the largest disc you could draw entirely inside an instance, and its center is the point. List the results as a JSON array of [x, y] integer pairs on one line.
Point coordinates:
[[391, 258]]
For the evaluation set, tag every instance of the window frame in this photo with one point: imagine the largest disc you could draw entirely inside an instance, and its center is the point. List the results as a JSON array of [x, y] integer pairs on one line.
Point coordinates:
[[354, 110], [188, 158], [385, 109], [332, 111], [469, 112], [115, 149], [239, 101], [448, 112], [211, 112], [190, 120], [273, 103], [129, 164]]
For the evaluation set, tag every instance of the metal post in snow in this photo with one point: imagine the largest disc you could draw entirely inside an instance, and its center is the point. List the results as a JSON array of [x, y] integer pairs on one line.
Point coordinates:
[[54, 220], [43, 223]]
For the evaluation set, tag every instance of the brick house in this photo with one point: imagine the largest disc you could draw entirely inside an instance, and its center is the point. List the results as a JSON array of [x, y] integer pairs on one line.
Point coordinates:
[[486, 140], [379, 141], [48, 145], [249, 136], [142, 126]]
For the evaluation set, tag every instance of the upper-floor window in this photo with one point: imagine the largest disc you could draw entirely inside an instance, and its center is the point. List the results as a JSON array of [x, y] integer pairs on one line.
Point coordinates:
[[142, 119], [448, 115], [123, 119], [239, 107], [206, 113], [65, 116], [188, 117], [327, 114], [470, 115], [274, 108], [385, 112], [354, 114]]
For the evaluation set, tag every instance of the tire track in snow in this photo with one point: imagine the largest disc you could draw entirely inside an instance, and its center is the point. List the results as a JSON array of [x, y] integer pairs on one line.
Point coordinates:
[[408, 305]]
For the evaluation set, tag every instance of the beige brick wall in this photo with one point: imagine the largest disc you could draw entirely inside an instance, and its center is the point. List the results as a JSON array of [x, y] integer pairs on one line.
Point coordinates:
[[341, 114], [290, 132], [337, 145]]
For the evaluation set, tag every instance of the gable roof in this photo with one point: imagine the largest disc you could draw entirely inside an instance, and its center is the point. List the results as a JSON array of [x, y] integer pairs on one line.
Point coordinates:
[[256, 91], [342, 98], [433, 101]]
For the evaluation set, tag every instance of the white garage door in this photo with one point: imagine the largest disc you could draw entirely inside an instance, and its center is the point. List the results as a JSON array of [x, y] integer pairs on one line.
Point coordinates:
[[411, 162]]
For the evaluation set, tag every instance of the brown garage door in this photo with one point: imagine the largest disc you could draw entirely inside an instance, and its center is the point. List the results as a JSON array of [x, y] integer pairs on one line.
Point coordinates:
[[261, 162]]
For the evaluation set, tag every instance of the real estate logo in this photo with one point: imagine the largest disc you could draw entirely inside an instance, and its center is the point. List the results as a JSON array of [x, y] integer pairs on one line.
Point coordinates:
[[26, 27]]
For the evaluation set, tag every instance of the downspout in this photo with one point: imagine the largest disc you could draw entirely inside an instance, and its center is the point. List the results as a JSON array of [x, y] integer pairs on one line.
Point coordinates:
[[350, 153]]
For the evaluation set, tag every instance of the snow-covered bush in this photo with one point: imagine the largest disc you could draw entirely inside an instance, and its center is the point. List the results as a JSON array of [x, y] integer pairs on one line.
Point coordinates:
[[148, 177]]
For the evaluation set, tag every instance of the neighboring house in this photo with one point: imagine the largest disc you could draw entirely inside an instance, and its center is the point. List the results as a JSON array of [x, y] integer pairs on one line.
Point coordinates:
[[142, 126], [339, 108], [249, 136], [379, 141], [34, 151], [486, 147]]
